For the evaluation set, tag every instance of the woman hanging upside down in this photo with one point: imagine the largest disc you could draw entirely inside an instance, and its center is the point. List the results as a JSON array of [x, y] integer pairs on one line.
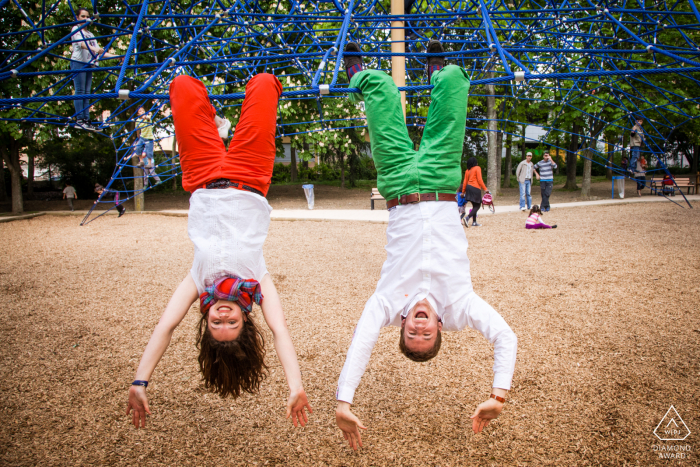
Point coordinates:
[[228, 222]]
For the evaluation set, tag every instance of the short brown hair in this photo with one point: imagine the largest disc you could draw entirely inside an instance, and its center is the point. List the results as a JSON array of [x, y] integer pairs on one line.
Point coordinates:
[[420, 356], [229, 367]]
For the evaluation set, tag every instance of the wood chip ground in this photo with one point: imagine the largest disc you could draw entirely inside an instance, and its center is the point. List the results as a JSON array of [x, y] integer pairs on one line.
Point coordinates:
[[606, 309]]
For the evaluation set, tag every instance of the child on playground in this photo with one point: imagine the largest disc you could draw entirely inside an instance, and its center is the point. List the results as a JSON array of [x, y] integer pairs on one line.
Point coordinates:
[[149, 169], [70, 195], [144, 143], [534, 221], [99, 189], [85, 52], [425, 284], [228, 223]]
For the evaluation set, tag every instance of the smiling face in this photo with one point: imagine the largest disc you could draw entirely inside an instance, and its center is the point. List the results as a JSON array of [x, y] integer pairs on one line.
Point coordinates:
[[140, 111], [225, 320], [83, 15], [420, 327]]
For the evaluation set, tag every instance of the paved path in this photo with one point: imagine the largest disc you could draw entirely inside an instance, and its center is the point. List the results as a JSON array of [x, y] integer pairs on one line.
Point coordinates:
[[366, 215]]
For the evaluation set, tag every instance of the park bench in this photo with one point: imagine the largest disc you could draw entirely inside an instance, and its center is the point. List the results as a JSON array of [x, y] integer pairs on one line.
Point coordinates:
[[656, 184], [375, 196]]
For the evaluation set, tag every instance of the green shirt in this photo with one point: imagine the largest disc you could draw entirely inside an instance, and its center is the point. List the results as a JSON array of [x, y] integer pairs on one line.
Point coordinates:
[[143, 123]]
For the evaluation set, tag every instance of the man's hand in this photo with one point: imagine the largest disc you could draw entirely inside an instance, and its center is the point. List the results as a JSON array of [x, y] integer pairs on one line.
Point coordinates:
[[349, 424], [295, 407], [138, 401], [485, 412]]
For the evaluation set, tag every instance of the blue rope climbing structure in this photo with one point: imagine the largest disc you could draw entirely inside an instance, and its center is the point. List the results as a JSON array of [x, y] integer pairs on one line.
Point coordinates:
[[604, 62]]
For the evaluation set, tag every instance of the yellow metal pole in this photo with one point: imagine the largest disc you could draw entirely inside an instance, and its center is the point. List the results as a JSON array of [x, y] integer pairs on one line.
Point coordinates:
[[398, 63]]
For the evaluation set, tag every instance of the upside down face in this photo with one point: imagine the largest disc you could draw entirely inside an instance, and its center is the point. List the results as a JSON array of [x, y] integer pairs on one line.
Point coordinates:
[[226, 320], [421, 327]]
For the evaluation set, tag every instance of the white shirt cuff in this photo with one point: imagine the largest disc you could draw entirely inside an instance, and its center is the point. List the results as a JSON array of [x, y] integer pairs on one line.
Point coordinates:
[[502, 380], [345, 394]]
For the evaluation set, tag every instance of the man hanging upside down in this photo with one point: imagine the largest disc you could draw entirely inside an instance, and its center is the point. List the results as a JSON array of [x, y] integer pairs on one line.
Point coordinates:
[[425, 285]]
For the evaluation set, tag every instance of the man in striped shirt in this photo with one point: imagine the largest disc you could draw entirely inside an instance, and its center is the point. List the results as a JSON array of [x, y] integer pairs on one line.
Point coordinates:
[[546, 172]]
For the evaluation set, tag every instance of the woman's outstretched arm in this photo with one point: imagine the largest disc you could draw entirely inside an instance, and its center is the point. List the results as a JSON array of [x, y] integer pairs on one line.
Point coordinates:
[[179, 305], [274, 317]]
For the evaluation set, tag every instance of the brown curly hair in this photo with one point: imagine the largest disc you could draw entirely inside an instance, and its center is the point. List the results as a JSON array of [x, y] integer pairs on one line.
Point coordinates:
[[229, 367], [420, 356]]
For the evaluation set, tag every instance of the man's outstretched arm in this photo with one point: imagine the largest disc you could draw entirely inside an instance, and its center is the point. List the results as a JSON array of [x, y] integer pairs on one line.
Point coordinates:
[[482, 317], [366, 334]]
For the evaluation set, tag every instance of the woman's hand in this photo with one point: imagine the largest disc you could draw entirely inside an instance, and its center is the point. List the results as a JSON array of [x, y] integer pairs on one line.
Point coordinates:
[[485, 412], [295, 407], [349, 424], [138, 401]]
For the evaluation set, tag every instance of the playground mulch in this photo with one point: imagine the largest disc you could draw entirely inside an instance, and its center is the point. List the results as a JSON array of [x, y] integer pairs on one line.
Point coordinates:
[[605, 308]]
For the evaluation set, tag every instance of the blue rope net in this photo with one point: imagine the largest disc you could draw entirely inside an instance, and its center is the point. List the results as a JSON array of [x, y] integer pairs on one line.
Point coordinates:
[[607, 62]]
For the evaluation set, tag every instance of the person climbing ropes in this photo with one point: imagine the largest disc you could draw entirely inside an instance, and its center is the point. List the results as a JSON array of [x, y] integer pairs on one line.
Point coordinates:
[[471, 190], [144, 141], [85, 52], [228, 223], [425, 285], [100, 190]]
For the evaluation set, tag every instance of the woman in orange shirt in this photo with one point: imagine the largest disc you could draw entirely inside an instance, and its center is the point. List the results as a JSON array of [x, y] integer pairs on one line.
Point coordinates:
[[471, 190]]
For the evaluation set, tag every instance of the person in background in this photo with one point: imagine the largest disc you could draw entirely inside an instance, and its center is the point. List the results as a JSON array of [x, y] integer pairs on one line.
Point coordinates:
[[534, 221], [544, 170], [99, 189], [85, 52], [640, 175], [69, 195], [636, 141], [471, 190], [524, 175]]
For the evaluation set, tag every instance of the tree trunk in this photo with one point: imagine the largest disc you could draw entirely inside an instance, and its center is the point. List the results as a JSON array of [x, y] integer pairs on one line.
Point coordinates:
[[499, 158], [3, 188], [139, 199], [508, 161], [305, 163], [571, 160], [11, 157], [522, 143], [587, 165], [293, 163], [30, 173], [492, 178], [694, 162], [341, 156], [611, 152], [588, 161]]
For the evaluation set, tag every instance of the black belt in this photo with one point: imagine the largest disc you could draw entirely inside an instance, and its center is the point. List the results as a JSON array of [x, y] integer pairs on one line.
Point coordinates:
[[226, 183]]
